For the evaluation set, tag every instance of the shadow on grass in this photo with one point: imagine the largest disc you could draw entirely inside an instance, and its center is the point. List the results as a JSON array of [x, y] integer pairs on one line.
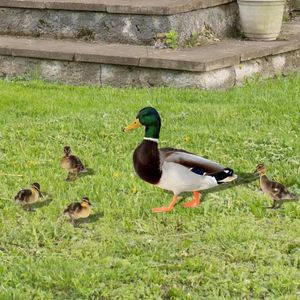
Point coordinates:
[[92, 219], [41, 204], [243, 179], [87, 172]]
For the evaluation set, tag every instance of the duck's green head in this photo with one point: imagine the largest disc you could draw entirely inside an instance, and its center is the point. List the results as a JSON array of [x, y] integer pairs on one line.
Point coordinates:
[[148, 117]]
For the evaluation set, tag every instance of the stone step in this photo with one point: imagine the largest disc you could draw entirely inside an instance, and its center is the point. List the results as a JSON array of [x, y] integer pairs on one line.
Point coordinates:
[[198, 59], [116, 21], [121, 65], [140, 7]]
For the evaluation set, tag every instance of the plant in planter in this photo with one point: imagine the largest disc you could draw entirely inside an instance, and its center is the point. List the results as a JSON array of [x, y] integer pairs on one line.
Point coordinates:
[[261, 19]]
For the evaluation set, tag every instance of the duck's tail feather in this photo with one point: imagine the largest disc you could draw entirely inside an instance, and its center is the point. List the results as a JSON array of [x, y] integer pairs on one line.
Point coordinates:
[[20, 196], [83, 170], [226, 175], [291, 197]]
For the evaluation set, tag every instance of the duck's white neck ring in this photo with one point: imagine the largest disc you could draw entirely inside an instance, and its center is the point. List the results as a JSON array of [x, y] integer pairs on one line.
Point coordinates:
[[151, 139]]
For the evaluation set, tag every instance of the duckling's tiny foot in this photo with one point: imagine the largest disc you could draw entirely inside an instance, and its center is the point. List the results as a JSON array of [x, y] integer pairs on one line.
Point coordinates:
[[28, 208], [70, 179], [73, 222], [276, 204], [161, 209], [273, 207]]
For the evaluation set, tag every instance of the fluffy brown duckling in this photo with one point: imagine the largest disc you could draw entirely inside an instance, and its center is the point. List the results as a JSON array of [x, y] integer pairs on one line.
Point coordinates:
[[78, 210], [277, 191], [71, 163], [26, 197]]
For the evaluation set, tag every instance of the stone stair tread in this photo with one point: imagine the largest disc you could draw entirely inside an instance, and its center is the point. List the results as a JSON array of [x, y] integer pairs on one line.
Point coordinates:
[[153, 7], [205, 58]]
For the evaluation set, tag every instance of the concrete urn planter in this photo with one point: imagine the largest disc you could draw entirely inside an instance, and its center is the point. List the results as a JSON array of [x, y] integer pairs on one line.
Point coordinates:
[[261, 19]]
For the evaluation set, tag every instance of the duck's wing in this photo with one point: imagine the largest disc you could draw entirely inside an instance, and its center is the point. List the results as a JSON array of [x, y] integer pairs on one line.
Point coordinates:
[[72, 208], [76, 162], [23, 194], [196, 163], [279, 192]]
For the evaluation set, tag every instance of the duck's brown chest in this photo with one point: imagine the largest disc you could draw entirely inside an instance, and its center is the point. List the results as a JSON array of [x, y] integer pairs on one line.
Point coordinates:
[[65, 163], [33, 197], [84, 212], [146, 162], [264, 184]]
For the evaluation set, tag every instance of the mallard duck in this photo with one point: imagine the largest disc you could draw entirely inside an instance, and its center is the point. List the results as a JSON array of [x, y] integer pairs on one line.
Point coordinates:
[[71, 163], [78, 210], [173, 169], [25, 197], [277, 191]]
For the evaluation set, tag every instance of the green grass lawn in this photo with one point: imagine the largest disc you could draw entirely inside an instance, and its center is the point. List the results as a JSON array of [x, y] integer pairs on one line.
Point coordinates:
[[231, 247]]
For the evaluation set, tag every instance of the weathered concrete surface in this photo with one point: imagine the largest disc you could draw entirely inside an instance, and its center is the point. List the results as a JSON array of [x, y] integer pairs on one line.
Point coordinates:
[[160, 7], [154, 7], [206, 58], [114, 28], [52, 70], [69, 51], [143, 77], [114, 75], [268, 67], [221, 65], [291, 27]]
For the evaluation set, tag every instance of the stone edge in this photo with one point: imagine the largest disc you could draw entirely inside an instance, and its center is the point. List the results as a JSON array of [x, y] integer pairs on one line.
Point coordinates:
[[139, 57], [113, 75], [115, 8]]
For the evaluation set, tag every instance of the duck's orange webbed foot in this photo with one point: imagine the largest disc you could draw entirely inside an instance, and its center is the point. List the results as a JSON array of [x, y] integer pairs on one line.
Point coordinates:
[[166, 209], [161, 209], [195, 202]]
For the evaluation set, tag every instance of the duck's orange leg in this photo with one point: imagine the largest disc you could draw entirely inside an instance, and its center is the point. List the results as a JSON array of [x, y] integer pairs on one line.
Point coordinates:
[[168, 208], [195, 202]]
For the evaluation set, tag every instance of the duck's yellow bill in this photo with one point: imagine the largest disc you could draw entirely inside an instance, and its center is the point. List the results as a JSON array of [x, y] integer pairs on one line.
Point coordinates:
[[135, 124]]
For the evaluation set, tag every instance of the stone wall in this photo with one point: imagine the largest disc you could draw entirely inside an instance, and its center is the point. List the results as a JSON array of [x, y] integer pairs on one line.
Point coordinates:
[[122, 76], [116, 28]]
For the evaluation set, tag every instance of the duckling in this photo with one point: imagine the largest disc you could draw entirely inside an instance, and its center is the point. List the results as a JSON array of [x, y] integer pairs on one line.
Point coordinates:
[[71, 163], [277, 191], [78, 210], [26, 197]]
